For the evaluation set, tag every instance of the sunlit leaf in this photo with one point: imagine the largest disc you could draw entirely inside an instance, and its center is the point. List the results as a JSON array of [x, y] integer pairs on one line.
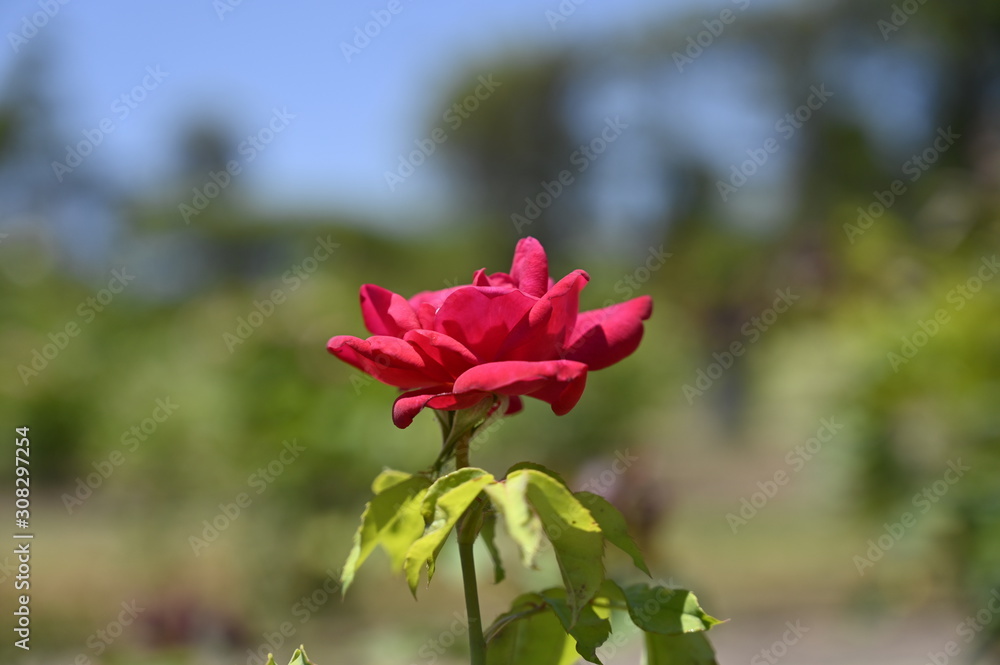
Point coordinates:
[[300, 658], [575, 536], [443, 505], [588, 630], [510, 500], [613, 526], [446, 484], [489, 537], [391, 519], [388, 478], [537, 467], [683, 649], [530, 634], [666, 611]]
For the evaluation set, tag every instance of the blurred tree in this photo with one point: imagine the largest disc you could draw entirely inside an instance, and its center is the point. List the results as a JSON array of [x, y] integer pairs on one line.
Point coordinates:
[[508, 144]]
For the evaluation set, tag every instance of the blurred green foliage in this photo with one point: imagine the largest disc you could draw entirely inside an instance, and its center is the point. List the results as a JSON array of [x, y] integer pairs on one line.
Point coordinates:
[[829, 356]]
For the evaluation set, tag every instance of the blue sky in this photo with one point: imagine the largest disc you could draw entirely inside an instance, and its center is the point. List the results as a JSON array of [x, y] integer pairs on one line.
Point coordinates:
[[352, 119]]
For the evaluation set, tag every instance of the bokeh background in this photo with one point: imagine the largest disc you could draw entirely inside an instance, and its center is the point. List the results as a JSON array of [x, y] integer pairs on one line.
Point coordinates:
[[192, 192]]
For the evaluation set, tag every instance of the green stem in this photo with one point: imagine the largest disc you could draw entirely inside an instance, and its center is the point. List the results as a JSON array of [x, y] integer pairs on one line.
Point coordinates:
[[462, 451], [477, 645], [468, 530]]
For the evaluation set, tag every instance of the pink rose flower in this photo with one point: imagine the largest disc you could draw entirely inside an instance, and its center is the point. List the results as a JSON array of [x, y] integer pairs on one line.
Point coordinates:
[[505, 334]]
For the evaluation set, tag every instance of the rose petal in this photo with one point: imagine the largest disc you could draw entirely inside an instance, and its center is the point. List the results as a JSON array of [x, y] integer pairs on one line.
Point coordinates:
[[558, 382], [425, 314], [479, 278], [442, 350], [515, 405], [388, 359], [385, 312], [530, 267], [542, 334], [433, 298], [602, 337], [502, 279], [409, 404], [481, 318]]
